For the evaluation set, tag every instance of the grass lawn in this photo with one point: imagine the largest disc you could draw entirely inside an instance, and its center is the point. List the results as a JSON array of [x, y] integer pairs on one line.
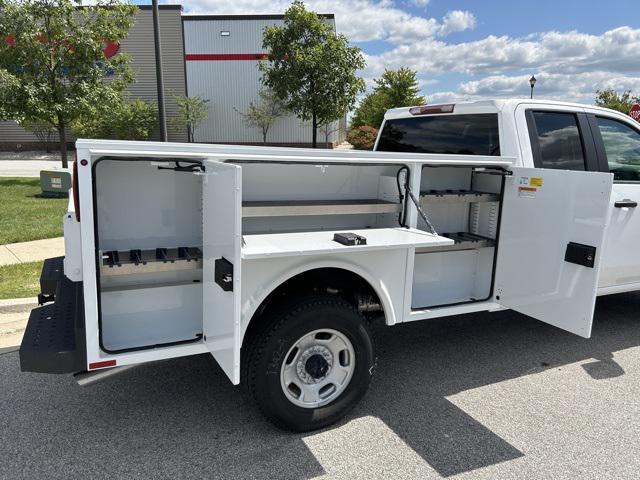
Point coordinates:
[[25, 215], [20, 280]]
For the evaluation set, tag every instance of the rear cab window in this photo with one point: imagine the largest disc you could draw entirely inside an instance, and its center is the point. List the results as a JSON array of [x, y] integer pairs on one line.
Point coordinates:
[[454, 134], [622, 148]]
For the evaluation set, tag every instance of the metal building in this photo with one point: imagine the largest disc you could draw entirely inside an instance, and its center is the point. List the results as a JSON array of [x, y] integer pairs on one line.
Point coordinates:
[[222, 53], [139, 45], [214, 57]]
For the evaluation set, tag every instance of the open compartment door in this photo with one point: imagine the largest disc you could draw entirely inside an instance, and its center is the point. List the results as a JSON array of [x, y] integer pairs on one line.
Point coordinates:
[[222, 243], [550, 246]]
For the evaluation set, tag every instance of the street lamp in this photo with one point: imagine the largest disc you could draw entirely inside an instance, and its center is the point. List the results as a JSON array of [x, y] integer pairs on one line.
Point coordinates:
[[532, 82]]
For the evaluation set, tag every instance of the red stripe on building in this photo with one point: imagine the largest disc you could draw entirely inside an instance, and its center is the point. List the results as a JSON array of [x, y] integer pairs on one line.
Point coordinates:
[[225, 56]]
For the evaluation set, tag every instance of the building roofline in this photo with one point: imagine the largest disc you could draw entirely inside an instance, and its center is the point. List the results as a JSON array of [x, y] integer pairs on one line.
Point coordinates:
[[161, 7], [279, 16]]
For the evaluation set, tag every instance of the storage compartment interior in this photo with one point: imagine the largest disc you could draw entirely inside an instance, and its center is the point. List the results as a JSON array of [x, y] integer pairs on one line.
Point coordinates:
[[149, 240], [305, 197], [462, 203]]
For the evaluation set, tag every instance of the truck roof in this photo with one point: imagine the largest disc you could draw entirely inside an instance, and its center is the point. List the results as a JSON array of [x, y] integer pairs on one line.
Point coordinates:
[[495, 106]]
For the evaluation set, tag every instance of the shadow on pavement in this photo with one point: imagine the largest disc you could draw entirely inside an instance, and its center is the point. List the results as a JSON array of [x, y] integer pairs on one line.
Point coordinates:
[[183, 419]]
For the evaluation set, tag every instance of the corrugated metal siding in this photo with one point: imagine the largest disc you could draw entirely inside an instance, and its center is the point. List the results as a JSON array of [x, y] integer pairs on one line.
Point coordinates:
[[231, 85], [139, 44]]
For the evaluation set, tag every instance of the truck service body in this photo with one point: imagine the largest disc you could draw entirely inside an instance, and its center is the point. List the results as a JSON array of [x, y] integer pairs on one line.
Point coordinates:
[[182, 249]]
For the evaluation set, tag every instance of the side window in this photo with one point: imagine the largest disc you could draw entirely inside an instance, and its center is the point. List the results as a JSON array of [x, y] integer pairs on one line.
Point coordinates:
[[558, 142], [622, 146]]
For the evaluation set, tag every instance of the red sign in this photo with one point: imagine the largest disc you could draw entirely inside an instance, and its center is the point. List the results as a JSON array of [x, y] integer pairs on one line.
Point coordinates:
[[634, 112]]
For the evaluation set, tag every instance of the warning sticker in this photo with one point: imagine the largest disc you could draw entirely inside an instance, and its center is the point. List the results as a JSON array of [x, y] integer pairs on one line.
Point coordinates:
[[527, 192], [535, 181]]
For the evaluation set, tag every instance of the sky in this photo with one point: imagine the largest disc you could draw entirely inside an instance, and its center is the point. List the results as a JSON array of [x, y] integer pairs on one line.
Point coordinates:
[[474, 49]]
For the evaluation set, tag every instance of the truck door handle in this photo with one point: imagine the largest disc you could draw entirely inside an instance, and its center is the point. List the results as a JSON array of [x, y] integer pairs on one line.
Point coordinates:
[[625, 203]]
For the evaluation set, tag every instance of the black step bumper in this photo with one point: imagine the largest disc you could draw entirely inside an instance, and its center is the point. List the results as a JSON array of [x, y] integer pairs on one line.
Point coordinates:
[[54, 340]]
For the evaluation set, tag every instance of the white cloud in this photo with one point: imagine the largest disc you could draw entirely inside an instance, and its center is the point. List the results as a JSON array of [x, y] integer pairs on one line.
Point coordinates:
[[360, 20], [420, 3], [457, 21], [578, 87]]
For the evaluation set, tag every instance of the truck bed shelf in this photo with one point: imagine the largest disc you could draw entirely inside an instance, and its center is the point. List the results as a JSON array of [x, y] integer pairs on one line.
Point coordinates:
[[463, 241], [317, 207], [125, 262], [456, 196]]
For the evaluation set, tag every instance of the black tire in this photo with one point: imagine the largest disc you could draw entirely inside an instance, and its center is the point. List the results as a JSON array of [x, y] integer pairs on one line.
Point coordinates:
[[283, 327]]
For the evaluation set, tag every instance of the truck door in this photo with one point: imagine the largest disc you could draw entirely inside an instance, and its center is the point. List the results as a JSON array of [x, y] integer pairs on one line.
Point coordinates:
[[550, 245], [222, 241]]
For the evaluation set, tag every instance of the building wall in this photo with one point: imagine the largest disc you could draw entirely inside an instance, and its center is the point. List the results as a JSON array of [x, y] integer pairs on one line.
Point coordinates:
[[224, 70], [138, 44]]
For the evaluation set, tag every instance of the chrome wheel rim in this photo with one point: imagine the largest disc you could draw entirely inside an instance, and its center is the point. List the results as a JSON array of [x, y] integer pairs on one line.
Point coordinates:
[[317, 368]]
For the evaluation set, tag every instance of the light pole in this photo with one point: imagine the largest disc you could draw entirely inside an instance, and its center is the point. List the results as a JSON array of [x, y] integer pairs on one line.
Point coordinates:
[[532, 82], [159, 78]]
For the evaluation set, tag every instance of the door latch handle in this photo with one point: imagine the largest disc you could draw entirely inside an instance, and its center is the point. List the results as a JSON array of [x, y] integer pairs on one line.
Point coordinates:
[[626, 203]]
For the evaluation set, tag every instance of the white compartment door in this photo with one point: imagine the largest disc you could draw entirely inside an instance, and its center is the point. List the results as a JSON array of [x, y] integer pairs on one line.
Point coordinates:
[[550, 245], [222, 241]]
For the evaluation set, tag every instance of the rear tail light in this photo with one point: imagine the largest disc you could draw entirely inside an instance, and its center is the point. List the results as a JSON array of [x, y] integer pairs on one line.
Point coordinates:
[[74, 190], [432, 109]]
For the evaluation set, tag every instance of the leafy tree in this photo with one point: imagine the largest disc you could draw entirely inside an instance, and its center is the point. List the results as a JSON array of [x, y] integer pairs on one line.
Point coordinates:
[[123, 121], [45, 132], [396, 88], [192, 111], [609, 98], [310, 68], [265, 113], [362, 137], [52, 60]]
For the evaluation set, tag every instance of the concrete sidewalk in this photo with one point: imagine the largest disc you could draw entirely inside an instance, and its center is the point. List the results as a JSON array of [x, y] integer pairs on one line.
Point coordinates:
[[28, 164], [34, 251]]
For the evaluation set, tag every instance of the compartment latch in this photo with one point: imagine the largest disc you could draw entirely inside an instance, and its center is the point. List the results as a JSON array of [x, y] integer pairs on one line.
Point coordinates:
[[580, 254], [224, 274]]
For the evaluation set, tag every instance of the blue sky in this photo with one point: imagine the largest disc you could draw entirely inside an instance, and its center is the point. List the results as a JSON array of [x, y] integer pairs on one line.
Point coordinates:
[[471, 49]]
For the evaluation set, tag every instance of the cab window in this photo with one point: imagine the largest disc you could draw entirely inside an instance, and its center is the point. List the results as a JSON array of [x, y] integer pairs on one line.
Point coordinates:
[[466, 134], [622, 147], [557, 141]]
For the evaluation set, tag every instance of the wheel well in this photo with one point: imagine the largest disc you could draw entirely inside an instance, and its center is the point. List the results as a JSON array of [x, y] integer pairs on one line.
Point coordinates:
[[346, 284]]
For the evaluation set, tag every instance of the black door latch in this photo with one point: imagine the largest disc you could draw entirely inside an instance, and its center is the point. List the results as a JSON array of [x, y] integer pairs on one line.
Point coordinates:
[[223, 275], [580, 254]]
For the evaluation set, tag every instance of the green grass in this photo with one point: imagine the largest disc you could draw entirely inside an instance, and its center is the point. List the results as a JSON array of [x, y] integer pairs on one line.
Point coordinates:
[[20, 280], [24, 215]]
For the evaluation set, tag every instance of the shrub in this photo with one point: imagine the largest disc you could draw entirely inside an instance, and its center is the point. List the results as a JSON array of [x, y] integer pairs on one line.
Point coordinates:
[[362, 137], [124, 121]]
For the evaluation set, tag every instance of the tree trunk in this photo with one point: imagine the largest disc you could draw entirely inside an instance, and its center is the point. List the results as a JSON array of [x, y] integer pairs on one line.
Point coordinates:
[[62, 134], [314, 123], [264, 137]]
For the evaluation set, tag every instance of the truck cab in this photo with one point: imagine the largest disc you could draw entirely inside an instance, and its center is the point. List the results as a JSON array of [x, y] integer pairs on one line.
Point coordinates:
[[547, 135]]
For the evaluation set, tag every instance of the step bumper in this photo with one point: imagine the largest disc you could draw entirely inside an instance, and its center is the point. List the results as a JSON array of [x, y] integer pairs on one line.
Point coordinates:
[[54, 340]]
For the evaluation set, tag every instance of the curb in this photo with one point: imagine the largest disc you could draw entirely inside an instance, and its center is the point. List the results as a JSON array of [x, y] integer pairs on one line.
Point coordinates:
[[17, 305]]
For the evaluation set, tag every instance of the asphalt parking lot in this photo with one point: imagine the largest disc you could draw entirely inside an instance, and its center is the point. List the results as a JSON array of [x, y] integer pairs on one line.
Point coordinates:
[[478, 396]]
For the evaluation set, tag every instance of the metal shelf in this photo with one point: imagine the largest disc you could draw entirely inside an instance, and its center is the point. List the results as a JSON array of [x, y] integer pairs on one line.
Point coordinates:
[[463, 241], [317, 207], [456, 196]]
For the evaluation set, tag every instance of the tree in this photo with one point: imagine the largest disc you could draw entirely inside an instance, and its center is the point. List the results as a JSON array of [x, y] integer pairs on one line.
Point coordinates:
[[53, 61], [609, 98], [123, 121], [192, 111], [396, 88], [265, 113], [45, 132], [311, 68]]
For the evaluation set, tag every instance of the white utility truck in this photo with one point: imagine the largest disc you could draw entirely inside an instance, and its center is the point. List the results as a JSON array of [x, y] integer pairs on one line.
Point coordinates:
[[275, 260]]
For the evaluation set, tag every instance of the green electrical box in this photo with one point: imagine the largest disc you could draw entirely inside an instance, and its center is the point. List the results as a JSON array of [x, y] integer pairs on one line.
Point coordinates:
[[55, 183]]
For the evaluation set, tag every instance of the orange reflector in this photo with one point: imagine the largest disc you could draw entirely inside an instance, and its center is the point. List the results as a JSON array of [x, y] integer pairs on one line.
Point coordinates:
[[106, 363]]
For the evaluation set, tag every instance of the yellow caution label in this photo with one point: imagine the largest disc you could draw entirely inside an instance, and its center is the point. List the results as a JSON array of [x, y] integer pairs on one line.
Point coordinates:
[[535, 181]]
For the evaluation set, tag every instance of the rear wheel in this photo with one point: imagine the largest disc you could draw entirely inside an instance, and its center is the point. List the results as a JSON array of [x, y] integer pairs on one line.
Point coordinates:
[[311, 364]]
